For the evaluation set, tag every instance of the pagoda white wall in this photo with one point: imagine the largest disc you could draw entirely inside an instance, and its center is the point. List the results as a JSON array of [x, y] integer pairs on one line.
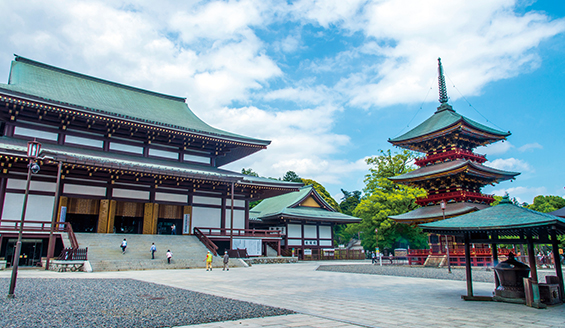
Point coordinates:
[[294, 231], [325, 232], [310, 231], [75, 189], [169, 197], [238, 219]]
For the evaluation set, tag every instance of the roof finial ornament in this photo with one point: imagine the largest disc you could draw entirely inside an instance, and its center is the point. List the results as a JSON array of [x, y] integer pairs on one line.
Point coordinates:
[[441, 82], [442, 89]]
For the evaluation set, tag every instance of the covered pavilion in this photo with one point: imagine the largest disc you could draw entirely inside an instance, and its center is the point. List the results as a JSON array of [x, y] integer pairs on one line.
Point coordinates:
[[504, 223]]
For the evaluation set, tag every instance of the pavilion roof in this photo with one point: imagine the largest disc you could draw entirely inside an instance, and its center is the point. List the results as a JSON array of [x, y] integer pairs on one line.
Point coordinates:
[[288, 206], [42, 81], [444, 118], [434, 212], [453, 167], [504, 218], [560, 212], [124, 162]]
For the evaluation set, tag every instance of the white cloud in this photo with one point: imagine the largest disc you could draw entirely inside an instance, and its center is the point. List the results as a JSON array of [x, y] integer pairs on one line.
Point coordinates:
[[510, 164], [496, 148], [530, 147]]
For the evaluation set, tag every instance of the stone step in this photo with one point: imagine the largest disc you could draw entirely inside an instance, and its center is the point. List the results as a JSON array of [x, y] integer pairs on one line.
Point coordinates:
[[105, 253]]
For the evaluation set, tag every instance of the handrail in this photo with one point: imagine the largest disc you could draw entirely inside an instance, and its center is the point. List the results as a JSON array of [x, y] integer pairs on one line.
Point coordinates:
[[450, 154], [206, 241], [41, 226], [225, 232], [456, 195]]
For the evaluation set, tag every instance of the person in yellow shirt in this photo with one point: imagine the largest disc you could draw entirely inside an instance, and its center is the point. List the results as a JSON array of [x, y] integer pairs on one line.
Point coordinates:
[[208, 261]]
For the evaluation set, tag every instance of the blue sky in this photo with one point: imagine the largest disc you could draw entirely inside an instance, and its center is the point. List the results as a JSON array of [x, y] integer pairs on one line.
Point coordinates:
[[329, 82]]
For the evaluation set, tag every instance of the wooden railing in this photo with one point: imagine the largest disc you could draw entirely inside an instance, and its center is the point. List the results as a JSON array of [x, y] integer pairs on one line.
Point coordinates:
[[452, 155], [74, 254], [206, 241], [225, 232], [42, 227], [455, 196]]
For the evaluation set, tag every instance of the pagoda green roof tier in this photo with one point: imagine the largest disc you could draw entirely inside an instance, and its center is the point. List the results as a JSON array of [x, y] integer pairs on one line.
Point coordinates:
[[40, 82], [288, 206], [505, 218], [434, 213], [466, 167], [148, 166], [446, 121]]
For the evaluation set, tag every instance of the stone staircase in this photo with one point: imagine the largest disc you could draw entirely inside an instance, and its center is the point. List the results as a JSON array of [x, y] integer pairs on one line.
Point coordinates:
[[105, 254]]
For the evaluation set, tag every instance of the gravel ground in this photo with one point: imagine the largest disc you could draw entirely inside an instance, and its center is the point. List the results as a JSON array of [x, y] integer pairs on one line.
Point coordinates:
[[117, 303], [479, 274]]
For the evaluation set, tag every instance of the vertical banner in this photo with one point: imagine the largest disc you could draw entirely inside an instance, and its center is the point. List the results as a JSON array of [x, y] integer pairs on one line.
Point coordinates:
[[63, 216], [186, 224]]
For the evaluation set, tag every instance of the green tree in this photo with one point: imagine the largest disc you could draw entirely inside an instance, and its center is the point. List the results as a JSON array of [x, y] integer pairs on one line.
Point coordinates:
[[291, 176], [322, 191], [546, 204], [384, 198], [250, 172], [349, 201]]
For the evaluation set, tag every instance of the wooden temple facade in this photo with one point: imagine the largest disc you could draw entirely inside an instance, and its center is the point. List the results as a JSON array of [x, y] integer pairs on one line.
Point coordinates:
[[450, 171], [127, 160], [304, 219]]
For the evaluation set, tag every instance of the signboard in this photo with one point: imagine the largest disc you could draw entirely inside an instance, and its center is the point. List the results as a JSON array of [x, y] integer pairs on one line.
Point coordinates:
[[307, 251], [186, 224], [253, 245], [63, 216]]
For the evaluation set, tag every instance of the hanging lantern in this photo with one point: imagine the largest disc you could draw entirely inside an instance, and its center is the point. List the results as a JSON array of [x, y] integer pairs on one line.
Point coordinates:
[[33, 149]]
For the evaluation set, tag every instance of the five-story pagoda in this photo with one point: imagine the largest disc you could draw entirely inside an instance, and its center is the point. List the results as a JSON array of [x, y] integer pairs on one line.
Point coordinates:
[[450, 171]]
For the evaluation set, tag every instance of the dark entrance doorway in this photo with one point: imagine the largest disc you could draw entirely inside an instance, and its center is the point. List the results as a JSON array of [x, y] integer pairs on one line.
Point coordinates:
[[83, 222], [30, 253], [164, 226], [127, 224]]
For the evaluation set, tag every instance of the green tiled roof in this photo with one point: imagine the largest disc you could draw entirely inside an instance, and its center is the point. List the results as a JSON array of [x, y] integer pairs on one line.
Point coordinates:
[[504, 216], [442, 119], [430, 170], [51, 83], [286, 206]]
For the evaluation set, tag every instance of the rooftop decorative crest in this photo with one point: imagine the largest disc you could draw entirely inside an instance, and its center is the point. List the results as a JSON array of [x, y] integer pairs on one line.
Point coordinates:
[[441, 82]]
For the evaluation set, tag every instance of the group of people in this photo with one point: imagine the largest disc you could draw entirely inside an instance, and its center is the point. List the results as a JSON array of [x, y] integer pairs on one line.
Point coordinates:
[[169, 255]]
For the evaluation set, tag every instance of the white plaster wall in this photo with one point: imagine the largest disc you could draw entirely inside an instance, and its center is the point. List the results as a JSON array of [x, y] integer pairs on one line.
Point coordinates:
[[238, 219], [39, 208], [295, 230], [126, 148], [310, 231], [19, 131], [84, 141], [236, 202], [168, 197], [131, 194], [163, 154], [197, 159], [294, 242], [326, 243], [206, 200], [325, 232], [35, 185], [206, 217], [84, 190]]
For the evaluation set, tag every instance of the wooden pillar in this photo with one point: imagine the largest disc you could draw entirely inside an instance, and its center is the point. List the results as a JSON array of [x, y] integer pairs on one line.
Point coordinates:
[[111, 215], [532, 258], [557, 261], [155, 218], [103, 216], [187, 210], [468, 265], [494, 248], [279, 247], [223, 214], [148, 219], [247, 215]]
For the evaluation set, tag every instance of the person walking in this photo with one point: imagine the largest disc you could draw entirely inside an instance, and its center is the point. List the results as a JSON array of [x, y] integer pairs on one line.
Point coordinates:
[[208, 261], [374, 258], [173, 229], [153, 249], [169, 256], [124, 246], [226, 261]]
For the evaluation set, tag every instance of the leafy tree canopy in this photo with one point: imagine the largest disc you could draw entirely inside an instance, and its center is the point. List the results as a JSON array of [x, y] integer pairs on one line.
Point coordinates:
[[249, 171], [322, 191], [291, 176], [384, 198], [546, 204], [349, 201]]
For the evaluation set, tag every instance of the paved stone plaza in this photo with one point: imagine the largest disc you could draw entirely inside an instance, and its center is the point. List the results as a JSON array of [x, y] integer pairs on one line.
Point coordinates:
[[334, 299]]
